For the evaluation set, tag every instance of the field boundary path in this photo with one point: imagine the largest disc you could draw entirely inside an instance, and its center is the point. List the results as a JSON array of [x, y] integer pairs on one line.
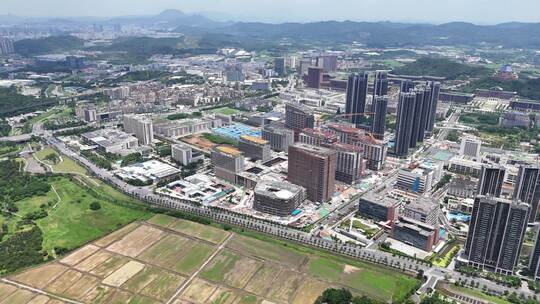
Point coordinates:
[[39, 291], [57, 195], [188, 281]]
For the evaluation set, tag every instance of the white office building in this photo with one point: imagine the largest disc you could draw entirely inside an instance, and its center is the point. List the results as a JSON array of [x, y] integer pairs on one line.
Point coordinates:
[[470, 146], [141, 126]]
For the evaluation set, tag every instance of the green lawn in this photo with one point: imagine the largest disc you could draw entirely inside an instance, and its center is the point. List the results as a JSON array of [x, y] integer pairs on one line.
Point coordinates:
[[226, 111], [162, 220], [327, 269], [73, 224], [34, 203], [7, 149], [375, 282], [267, 250], [447, 258], [478, 294], [54, 113], [67, 165]]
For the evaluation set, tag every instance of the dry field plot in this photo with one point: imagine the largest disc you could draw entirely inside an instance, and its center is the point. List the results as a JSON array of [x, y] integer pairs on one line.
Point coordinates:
[[136, 264], [10, 294], [137, 241], [107, 240], [207, 233]]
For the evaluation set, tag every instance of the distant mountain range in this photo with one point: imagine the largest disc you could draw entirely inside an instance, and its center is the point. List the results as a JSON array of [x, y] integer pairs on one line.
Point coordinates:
[[385, 34], [374, 34]]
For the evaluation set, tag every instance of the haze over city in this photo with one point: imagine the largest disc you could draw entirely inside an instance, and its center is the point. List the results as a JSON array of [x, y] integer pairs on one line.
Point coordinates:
[[433, 11]]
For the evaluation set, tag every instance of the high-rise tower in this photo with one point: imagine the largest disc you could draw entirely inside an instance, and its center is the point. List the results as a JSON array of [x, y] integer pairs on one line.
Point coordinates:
[[357, 89]]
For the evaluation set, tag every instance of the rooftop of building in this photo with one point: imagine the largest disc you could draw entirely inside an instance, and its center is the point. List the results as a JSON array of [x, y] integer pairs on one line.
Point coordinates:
[[462, 183], [152, 169], [229, 150], [277, 189], [422, 205], [495, 200], [108, 137], [181, 146], [381, 198], [322, 151], [420, 227], [254, 139], [506, 68], [417, 170], [276, 127], [299, 107]]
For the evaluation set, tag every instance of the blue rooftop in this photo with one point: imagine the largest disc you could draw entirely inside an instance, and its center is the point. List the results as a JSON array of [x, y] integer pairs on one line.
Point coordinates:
[[236, 130]]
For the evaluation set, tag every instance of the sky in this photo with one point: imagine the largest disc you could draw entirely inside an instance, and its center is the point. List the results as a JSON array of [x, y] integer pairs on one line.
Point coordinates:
[[433, 11]]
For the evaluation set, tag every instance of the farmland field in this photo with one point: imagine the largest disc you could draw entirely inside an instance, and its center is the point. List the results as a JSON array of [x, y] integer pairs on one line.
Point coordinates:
[[164, 259]]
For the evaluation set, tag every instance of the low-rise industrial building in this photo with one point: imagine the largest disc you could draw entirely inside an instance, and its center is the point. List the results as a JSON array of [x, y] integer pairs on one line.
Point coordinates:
[[423, 210], [149, 171], [184, 154], [199, 188], [464, 166], [462, 188], [112, 141], [415, 233], [379, 206], [186, 127]]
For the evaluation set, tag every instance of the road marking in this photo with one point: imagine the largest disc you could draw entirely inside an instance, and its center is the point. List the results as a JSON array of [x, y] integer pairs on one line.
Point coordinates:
[[186, 283]]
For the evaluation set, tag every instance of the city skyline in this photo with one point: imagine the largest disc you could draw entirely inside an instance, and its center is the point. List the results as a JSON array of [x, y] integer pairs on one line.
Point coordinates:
[[476, 11]]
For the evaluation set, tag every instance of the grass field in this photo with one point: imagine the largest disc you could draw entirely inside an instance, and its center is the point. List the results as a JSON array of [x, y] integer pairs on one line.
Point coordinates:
[[478, 294], [226, 111], [206, 233], [72, 223], [66, 165], [54, 113]]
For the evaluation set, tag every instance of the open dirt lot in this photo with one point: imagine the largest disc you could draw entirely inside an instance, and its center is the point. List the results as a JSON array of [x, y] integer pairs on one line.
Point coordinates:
[[200, 142]]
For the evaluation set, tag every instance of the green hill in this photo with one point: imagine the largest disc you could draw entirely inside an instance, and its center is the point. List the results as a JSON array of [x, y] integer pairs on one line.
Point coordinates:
[[31, 47], [442, 67]]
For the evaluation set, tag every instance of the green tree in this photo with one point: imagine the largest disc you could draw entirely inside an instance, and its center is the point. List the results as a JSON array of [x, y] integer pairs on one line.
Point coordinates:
[[95, 206]]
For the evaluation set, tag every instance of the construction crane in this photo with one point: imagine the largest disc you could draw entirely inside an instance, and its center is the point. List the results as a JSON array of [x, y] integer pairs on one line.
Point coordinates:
[[353, 114], [334, 116], [370, 134]]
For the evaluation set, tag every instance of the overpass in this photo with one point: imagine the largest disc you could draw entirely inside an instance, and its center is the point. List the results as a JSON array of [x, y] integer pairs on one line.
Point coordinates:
[[16, 138]]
